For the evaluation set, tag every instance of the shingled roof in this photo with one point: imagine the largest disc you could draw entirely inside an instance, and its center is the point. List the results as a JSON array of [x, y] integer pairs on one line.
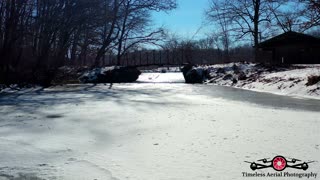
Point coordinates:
[[290, 38]]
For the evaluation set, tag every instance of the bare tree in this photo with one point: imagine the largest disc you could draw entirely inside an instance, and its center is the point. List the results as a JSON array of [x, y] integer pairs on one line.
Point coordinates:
[[206, 43], [292, 16], [244, 17], [135, 22], [298, 15], [110, 30], [311, 13], [37, 35], [220, 19]]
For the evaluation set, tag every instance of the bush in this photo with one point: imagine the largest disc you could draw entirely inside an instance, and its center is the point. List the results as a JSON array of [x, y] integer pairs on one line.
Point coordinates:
[[228, 77], [40, 76], [312, 80], [68, 75]]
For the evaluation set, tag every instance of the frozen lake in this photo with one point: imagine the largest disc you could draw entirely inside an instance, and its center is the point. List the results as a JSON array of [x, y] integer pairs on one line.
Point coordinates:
[[156, 129]]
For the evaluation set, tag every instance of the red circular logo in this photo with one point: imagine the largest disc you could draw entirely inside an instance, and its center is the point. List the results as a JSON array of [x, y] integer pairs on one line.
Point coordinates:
[[279, 163]]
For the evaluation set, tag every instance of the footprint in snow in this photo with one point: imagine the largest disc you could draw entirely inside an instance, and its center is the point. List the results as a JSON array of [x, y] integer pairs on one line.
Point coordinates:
[[54, 116], [41, 165], [72, 159]]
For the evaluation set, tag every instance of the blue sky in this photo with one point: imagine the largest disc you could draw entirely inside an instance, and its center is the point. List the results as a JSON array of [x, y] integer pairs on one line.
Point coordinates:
[[185, 20]]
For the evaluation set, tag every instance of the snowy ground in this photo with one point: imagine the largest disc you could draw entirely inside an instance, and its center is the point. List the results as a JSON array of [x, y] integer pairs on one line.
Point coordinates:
[[151, 131], [292, 83], [287, 81]]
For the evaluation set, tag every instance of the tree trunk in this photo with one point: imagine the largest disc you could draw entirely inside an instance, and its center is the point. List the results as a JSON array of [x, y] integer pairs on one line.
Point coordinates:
[[256, 19]]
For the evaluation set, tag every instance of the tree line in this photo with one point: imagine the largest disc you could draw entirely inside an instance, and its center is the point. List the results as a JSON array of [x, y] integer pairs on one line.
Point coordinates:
[[256, 20], [37, 35], [238, 26]]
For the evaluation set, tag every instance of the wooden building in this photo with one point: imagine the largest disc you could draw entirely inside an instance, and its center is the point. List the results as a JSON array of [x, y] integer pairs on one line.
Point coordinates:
[[290, 48]]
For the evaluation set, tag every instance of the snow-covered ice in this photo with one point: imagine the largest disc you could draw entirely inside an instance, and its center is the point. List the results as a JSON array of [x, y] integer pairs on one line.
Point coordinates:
[[152, 131], [161, 78]]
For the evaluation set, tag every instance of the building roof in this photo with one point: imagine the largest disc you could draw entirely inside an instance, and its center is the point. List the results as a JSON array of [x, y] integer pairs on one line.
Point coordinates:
[[290, 38]]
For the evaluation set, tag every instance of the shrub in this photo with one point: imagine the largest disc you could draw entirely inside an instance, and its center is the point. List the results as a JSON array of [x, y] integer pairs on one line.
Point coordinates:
[[312, 80]]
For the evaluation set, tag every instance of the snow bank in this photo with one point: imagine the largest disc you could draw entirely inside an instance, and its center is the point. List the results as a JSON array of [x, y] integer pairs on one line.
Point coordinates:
[[289, 81], [13, 88], [93, 75]]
